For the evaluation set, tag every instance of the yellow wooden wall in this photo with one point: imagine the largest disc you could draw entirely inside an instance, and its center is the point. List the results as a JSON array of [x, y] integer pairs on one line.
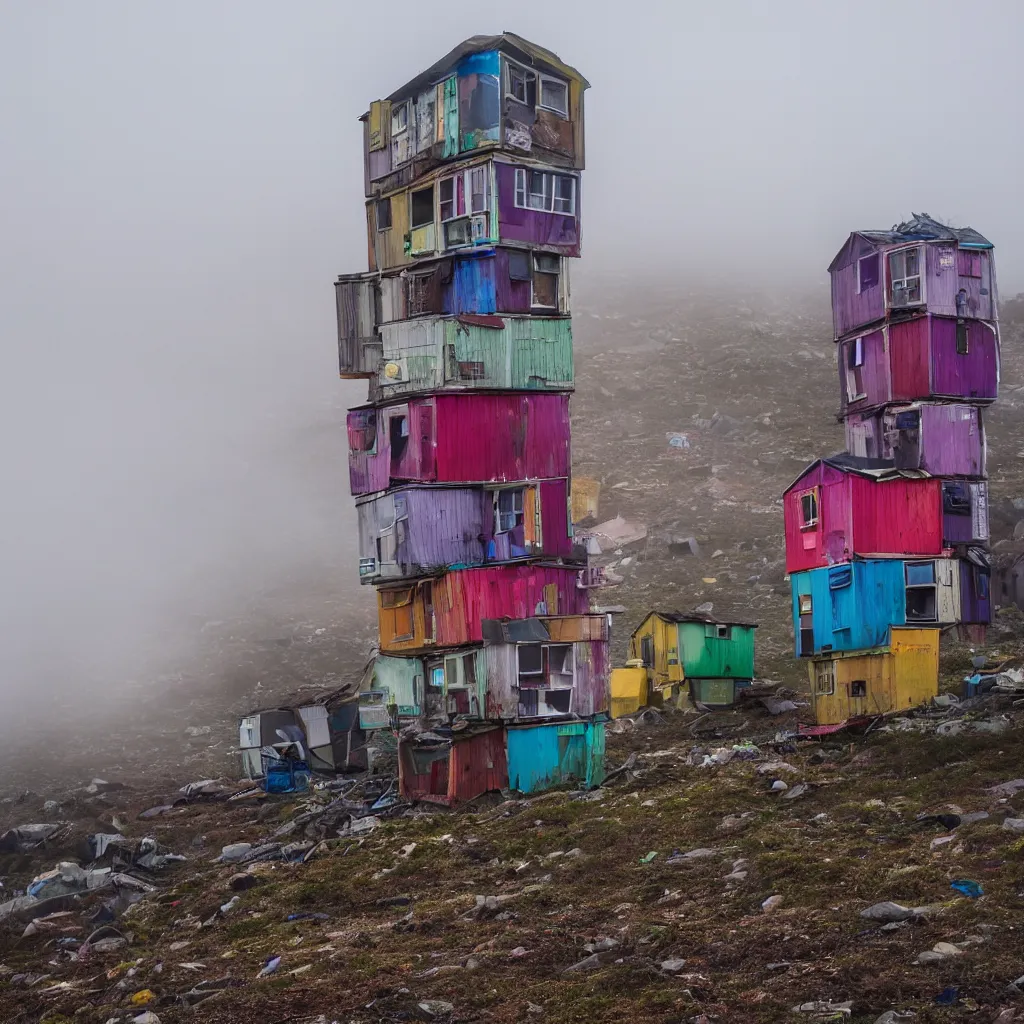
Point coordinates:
[[666, 651]]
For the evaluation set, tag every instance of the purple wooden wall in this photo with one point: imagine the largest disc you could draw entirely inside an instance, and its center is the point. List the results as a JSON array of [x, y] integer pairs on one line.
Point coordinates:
[[465, 439], [874, 372], [975, 594], [851, 309], [554, 230], [511, 296], [974, 375], [454, 526]]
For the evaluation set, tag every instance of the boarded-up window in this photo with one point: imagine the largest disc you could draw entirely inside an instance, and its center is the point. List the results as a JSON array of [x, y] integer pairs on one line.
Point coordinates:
[[968, 263], [362, 430], [545, 280], [472, 370], [399, 603], [424, 293], [824, 679]]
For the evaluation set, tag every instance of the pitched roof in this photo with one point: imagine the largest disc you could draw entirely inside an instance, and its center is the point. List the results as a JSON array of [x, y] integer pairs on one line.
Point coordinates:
[[874, 469], [707, 620], [920, 228], [508, 42]]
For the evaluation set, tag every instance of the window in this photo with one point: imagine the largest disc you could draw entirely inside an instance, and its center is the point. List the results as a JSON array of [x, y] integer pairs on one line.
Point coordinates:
[[854, 370], [809, 509], [382, 209], [422, 207], [545, 191], [398, 438], [560, 665], [867, 272], [554, 95], [531, 664], [396, 598], [362, 430], [446, 197], [718, 631], [479, 189], [518, 265], [508, 510], [520, 85], [399, 603], [859, 688], [805, 604], [399, 118], [922, 593], [907, 288], [546, 269], [824, 679], [962, 344], [647, 651], [968, 263], [956, 498]]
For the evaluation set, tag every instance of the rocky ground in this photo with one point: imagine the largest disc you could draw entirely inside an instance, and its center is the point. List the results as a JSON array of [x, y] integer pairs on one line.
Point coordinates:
[[477, 914]]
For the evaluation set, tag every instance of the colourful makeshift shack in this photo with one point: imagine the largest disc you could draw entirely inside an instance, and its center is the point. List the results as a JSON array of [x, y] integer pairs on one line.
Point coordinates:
[[447, 610], [714, 656], [450, 438], [844, 506], [448, 767], [918, 266], [943, 439], [900, 675], [851, 606], [542, 756], [419, 530]]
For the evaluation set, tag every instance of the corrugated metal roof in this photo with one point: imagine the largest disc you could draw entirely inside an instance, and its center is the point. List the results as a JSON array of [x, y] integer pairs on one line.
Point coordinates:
[[920, 228], [875, 469]]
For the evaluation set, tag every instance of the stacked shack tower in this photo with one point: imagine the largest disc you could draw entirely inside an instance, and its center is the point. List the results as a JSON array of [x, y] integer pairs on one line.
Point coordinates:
[[495, 672], [887, 543]]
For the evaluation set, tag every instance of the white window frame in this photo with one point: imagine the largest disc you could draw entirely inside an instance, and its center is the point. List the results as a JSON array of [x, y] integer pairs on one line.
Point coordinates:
[[717, 631], [454, 179], [519, 668], [522, 191], [517, 509], [534, 270], [395, 111], [527, 73], [933, 586], [921, 277], [854, 379], [541, 79], [805, 604]]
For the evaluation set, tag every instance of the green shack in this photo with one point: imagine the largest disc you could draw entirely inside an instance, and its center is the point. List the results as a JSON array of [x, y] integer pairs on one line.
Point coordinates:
[[714, 657]]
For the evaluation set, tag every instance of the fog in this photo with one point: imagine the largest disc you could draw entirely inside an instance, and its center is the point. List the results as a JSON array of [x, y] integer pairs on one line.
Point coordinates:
[[180, 183]]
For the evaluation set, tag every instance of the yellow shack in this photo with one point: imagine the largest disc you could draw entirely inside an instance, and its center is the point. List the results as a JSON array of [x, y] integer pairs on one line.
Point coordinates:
[[848, 684], [629, 690]]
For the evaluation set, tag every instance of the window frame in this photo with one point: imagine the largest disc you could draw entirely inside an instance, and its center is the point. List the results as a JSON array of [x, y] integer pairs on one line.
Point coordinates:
[[854, 353], [557, 275], [921, 276], [963, 338], [452, 180], [933, 587], [805, 604], [862, 684], [877, 256], [518, 513], [405, 106], [378, 205], [829, 675], [431, 188], [805, 522], [523, 191], [541, 105], [527, 74]]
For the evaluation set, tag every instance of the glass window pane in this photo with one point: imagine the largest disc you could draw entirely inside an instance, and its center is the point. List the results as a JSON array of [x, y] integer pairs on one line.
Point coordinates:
[[920, 574]]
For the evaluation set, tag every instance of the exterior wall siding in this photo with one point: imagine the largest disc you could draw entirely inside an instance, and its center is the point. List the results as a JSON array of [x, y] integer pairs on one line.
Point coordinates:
[[437, 353], [418, 531], [554, 232], [860, 516], [715, 657], [542, 756], [464, 439]]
